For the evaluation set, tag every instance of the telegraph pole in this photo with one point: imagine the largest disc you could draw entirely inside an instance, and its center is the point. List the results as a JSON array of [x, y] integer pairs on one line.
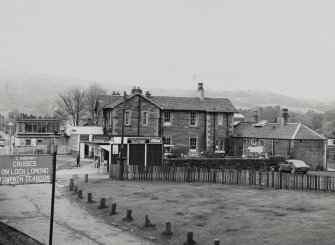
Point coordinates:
[[122, 136]]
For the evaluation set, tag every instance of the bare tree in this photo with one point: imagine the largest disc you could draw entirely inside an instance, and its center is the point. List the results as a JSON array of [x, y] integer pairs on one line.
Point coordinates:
[[92, 93], [72, 105]]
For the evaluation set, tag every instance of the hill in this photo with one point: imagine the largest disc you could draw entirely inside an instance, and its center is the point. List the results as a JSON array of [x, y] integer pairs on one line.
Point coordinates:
[[36, 94]]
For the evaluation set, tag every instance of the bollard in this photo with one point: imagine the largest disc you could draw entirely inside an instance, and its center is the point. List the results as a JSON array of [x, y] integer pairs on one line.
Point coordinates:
[[147, 222], [189, 238], [86, 177], [75, 189], [216, 242], [102, 203], [89, 197], [167, 229], [113, 209], [71, 184], [80, 194], [128, 218]]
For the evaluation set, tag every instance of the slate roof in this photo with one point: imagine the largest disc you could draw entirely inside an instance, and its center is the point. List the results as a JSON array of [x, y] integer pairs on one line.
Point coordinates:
[[183, 103], [295, 131], [104, 100], [194, 104]]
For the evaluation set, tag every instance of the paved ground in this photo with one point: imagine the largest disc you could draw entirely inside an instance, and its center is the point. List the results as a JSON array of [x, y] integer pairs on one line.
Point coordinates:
[[27, 208]]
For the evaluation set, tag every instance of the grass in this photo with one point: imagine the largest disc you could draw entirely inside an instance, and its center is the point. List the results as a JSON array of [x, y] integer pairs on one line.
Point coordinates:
[[233, 214]]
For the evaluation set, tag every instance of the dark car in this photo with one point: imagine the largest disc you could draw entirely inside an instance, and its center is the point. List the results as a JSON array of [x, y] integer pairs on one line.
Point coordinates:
[[294, 166]]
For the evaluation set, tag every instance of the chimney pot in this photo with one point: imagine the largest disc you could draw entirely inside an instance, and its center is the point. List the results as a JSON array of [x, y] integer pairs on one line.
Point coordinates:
[[256, 117], [284, 117], [201, 92]]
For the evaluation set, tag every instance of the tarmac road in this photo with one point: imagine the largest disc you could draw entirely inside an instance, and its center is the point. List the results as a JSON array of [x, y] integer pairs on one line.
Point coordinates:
[[27, 208]]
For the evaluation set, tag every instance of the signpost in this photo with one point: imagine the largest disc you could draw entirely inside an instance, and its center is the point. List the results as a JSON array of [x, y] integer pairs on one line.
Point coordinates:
[[30, 169]]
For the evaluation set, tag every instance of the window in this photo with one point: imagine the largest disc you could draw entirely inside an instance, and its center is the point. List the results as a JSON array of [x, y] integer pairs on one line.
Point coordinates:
[[193, 144], [193, 118], [167, 118], [27, 142], [261, 142], [253, 142], [219, 145], [220, 119], [145, 118], [167, 141], [127, 117]]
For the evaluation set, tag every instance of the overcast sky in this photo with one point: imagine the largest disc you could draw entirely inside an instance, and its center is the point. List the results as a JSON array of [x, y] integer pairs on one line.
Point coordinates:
[[282, 46]]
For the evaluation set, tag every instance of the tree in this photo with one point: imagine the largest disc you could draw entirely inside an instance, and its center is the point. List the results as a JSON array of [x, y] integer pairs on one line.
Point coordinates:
[[72, 105], [92, 93]]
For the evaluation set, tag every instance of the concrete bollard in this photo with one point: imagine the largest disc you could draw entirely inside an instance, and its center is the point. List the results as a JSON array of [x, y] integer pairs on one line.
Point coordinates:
[[189, 238], [167, 231], [216, 242], [147, 222], [86, 177], [129, 218], [80, 194], [89, 197], [75, 189], [71, 184], [102, 203], [113, 209]]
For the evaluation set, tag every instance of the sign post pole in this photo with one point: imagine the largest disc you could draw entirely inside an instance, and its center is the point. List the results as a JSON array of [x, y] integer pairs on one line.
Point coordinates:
[[53, 193]]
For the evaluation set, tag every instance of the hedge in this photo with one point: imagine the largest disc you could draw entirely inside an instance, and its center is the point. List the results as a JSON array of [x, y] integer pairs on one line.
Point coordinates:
[[219, 163]]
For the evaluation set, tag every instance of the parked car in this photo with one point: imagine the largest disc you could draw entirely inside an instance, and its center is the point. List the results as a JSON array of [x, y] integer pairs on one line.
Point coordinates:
[[294, 166]]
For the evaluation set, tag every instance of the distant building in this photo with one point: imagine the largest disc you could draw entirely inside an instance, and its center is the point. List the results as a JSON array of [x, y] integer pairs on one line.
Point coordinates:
[[33, 132], [293, 140]]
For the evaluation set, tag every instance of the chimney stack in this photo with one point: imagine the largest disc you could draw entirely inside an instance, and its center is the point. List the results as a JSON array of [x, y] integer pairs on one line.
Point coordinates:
[[284, 117], [136, 90], [201, 92], [256, 117]]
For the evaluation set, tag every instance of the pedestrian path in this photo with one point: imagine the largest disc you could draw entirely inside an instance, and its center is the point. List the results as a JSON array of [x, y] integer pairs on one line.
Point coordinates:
[[27, 208]]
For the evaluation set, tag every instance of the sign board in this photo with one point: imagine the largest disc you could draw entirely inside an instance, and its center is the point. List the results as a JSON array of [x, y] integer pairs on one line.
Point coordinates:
[[84, 137], [25, 169], [156, 140], [115, 149], [138, 140]]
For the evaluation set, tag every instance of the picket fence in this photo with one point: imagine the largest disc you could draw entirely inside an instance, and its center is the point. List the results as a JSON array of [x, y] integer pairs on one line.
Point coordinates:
[[265, 179]]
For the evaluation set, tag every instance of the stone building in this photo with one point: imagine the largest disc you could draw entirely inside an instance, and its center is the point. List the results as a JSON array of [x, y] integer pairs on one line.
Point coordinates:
[[293, 140], [191, 124]]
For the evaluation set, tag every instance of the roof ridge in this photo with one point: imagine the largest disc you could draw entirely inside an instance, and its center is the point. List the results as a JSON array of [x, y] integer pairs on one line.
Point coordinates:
[[296, 131]]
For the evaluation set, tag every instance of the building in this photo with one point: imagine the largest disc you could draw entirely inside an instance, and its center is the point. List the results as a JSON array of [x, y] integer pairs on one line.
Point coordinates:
[[37, 131], [293, 140], [190, 124]]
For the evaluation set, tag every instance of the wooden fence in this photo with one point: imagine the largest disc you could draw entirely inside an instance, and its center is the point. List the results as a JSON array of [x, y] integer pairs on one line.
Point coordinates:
[[265, 179]]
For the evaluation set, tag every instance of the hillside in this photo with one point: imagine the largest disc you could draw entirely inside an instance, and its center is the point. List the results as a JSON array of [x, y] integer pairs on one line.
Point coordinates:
[[37, 93]]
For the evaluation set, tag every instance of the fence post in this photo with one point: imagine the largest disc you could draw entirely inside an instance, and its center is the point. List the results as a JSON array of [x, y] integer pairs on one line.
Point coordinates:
[[273, 179], [214, 176], [216, 242], [167, 228], [71, 184], [280, 180], [316, 183]]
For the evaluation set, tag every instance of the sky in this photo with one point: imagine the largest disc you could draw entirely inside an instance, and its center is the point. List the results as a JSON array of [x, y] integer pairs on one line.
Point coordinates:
[[285, 46]]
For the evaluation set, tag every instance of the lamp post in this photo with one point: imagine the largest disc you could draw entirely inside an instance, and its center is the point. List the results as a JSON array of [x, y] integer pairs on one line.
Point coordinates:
[[10, 124]]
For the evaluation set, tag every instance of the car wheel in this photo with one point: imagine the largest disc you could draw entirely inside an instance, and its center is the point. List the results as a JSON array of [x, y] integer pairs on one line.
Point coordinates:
[[292, 171]]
